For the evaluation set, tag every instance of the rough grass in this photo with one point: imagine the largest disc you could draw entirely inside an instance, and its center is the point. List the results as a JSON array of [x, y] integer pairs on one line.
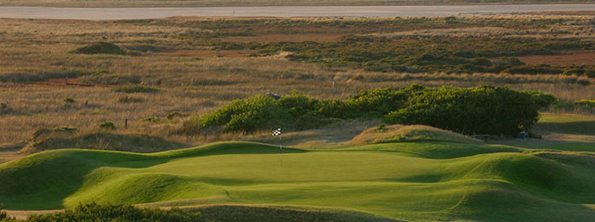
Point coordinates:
[[103, 141], [135, 89], [29, 77], [409, 133], [198, 83], [450, 181], [579, 58]]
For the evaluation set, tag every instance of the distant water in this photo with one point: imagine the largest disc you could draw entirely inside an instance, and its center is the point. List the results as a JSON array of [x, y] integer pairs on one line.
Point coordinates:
[[280, 11]]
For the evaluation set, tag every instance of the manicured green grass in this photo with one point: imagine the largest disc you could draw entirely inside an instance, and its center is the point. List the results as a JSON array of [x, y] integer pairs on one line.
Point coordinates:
[[411, 181]]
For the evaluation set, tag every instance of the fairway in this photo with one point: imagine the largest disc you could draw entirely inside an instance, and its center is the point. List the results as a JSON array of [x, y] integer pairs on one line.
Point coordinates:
[[402, 181]]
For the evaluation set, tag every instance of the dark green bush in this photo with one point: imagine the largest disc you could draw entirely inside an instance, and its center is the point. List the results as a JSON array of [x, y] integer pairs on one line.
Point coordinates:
[[118, 213], [100, 48], [480, 110], [543, 100], [107, 125], [136, 89], [379, 102], [334, 108], [262, 113], [249, 115]]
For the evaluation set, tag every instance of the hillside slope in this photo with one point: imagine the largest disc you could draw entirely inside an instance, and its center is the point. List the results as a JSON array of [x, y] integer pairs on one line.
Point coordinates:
[[410, 181]]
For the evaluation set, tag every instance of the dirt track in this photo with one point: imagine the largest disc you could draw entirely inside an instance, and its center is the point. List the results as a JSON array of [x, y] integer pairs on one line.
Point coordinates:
[[282, 11]]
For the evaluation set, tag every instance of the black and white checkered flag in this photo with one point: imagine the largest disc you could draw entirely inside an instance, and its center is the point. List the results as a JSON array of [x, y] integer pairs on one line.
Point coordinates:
[[277, 132]]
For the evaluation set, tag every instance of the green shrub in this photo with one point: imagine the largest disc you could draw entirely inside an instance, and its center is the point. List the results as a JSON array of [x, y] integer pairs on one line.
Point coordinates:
[[379, 102], [118, 213], [107, 125], [334, 108], [543, 100], [249, 115], [304, 112], [295, 111], [136, 89], [480, 110], [100, 48], [69, 101]]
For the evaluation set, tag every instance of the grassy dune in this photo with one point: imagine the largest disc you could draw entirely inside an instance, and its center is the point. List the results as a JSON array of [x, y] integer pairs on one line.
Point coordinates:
[[411, 181]]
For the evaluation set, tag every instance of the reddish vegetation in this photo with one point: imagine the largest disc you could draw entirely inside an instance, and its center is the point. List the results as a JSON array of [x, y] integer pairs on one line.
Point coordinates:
[[582, 58], [314, 37]]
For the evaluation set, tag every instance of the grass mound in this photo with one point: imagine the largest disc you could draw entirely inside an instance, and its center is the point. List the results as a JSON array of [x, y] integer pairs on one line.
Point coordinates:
[[403, 133], [104, 141], [100, 48]]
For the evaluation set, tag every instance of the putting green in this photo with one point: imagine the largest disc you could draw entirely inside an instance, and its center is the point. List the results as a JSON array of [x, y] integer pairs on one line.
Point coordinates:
[[410, 181]]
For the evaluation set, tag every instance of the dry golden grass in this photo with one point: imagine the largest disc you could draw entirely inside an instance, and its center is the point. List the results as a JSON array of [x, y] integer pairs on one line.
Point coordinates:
[[402, 133], [314, 37], [192, 78]]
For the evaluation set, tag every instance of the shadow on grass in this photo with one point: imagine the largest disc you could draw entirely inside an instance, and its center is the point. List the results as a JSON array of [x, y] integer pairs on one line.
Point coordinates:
[[550, 144], [578, 128]]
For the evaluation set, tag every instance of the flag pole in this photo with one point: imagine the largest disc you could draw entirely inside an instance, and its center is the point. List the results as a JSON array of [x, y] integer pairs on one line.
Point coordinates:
[[278, 134]]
